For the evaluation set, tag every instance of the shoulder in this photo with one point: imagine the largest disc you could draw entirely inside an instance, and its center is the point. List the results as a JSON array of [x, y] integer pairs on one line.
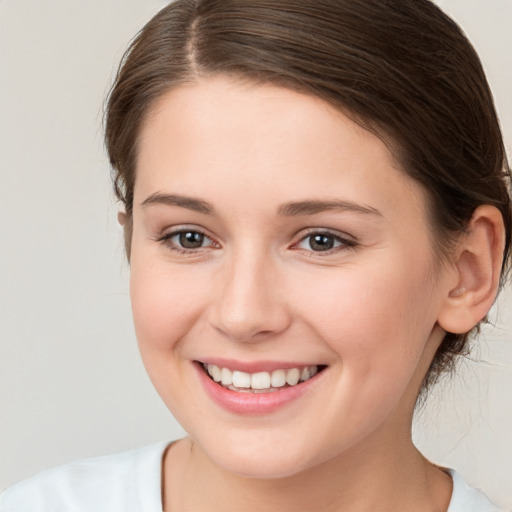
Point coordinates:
[[128, 481], [468, 499]]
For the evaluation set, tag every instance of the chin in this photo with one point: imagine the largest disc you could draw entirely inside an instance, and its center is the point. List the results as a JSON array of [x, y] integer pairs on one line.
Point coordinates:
[[269, 467], [260, 459]]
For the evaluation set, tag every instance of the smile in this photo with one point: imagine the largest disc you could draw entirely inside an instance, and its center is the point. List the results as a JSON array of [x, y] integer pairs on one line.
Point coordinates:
[[264, 387], [260, 382]]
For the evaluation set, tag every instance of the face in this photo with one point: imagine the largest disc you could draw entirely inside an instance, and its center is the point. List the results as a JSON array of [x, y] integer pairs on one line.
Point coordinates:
[[278, 248]]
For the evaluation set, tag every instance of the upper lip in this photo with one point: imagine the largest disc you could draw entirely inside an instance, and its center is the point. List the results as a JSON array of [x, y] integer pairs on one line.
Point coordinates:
[[255, 366]]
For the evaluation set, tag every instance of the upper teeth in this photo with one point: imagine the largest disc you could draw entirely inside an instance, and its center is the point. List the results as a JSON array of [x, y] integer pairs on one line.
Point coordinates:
[[261, 380]]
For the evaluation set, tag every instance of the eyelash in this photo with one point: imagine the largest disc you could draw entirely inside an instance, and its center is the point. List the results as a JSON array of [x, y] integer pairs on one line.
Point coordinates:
[[343, 243]]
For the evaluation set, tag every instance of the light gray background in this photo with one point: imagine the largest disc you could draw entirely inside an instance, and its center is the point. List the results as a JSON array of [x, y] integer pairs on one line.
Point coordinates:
[[71, 383]]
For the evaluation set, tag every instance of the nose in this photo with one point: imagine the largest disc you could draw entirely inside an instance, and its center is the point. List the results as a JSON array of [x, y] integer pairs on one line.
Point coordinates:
[[249, 305]]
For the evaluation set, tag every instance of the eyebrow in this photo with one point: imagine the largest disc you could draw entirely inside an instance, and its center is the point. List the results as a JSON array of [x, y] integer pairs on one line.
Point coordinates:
[[190, 203], [312, 207], [292, 209]]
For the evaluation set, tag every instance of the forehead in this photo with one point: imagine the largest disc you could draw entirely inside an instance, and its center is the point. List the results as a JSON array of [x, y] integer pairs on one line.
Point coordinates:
[[263, 141]]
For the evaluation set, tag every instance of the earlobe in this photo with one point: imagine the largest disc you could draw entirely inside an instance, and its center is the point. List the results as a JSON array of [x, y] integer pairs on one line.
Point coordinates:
[[477, 262], [121, 218]]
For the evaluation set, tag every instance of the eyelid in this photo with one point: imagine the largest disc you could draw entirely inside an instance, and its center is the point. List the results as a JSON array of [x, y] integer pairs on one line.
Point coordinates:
[[303, 233]]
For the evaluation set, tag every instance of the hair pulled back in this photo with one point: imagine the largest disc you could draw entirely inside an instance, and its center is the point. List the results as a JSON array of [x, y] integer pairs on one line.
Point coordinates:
[[400, 68]]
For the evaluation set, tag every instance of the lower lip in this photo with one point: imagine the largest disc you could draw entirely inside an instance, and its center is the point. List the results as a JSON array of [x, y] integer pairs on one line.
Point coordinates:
[[252, 403]]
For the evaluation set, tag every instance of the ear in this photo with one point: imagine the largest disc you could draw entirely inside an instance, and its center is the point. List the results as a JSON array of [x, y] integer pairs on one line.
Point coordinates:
[[477, 263], [121, 218]]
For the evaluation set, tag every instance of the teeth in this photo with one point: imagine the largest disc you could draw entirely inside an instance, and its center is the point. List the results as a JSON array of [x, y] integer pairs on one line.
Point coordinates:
[[215, 372], [292, 376], [261, 380], [240, 379], [226, 377], [305, 374], [278, 379]]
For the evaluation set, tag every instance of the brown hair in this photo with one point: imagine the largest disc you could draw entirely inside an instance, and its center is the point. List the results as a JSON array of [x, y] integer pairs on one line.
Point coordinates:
[[400, 68]]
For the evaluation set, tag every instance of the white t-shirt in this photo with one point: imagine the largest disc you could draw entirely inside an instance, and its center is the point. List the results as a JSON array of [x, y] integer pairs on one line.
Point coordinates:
[[131, 482]]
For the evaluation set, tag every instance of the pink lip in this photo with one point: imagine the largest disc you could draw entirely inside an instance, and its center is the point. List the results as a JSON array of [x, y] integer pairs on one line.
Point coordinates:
[[252, 403], [254, 366]]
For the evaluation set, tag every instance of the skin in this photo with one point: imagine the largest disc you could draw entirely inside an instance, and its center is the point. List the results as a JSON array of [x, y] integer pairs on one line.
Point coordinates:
[[371, 309]]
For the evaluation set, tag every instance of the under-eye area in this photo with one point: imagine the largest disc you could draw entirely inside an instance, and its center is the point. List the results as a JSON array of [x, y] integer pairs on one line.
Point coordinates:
[[260, 382]]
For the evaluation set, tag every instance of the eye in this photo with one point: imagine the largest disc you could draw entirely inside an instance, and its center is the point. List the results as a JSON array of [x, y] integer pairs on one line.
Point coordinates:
[[186, 240], [324, 242], [189, 239]]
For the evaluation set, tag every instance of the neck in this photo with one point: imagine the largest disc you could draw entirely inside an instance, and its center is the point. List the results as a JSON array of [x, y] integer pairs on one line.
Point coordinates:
[[392, 476]]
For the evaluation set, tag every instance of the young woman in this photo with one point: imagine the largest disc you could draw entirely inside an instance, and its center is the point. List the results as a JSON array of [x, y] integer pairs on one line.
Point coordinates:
[[316, 215]]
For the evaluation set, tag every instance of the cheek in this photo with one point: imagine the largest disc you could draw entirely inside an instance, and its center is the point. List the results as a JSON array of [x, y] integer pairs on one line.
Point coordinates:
[[378, 332], [377, 321], [165, 306], [165, 303]]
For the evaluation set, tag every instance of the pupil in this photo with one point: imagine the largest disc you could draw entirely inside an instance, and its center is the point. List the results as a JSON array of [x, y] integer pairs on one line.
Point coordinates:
[[191, 240], [321, 242]]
